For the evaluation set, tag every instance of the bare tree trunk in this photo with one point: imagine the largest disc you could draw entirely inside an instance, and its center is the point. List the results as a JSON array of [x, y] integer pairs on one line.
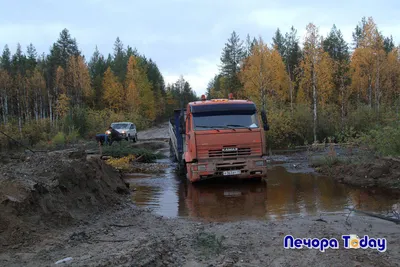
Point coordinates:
[[41, 107], [261, 84], [377, 90], [314, 102], [3, 110], [27, 111], [291, 95], [50, 108], [369, 91], [36, 105], [290, 88], [6, 108], [19, 112], [342, 108]]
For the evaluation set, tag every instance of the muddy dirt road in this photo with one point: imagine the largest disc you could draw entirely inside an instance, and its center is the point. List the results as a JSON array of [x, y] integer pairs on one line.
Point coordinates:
[[163, 221], [132, 237], [158, 132]]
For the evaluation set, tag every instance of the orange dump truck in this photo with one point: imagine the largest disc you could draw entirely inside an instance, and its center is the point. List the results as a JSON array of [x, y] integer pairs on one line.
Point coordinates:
[[219, 138]]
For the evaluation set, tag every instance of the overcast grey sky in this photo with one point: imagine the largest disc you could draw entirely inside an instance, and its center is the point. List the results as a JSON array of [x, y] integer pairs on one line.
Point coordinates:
[[182, 36]]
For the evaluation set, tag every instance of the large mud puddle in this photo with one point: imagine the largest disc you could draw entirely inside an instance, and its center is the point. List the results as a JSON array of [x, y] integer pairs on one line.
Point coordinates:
[[284, 194]]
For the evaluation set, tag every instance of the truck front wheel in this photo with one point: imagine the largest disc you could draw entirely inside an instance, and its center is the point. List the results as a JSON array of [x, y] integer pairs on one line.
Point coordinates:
[[187, 173]]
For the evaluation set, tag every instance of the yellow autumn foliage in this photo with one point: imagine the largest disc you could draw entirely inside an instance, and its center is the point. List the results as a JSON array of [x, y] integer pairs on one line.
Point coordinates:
[[264, 74], [123, 163], [63, 105], [317, 70], [113, 91], [139, 95]]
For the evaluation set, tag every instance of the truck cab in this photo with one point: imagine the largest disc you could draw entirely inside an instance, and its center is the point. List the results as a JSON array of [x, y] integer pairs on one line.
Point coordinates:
[[222, 138]]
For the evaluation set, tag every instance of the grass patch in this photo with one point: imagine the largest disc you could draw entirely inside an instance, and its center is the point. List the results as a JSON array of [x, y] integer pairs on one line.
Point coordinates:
[[150, 145], [209, 244], [327, 164], [325, 161]]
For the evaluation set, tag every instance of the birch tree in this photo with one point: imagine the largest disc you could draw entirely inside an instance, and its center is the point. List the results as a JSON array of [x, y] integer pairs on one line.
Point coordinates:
[[316, 82]]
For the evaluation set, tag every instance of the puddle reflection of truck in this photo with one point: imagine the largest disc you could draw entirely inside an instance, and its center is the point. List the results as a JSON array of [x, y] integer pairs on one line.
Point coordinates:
[[226, 202], [219, 138]]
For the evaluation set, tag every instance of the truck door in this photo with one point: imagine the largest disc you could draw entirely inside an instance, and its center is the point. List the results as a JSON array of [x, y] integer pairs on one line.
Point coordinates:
[[190, 144], [188, 132]]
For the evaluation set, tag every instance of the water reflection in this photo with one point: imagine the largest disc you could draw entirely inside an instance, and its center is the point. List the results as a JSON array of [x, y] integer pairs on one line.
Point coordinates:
[[284, 194], [302, 194], [226, 202]]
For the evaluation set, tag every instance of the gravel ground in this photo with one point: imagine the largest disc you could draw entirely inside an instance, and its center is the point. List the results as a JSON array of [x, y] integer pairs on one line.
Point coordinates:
[[128, 236], [158, 132]]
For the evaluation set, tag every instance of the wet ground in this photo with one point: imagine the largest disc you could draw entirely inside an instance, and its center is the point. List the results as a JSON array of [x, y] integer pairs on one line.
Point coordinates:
[[84, 216], [285, 194]]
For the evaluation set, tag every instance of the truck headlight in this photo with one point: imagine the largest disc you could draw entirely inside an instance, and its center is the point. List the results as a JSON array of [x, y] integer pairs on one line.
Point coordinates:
[[123, 132], [108, 132], [260, 163], [201, 167]]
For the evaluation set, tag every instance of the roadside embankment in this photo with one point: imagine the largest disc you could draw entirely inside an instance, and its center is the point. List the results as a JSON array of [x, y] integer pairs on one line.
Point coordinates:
[[53, 189], [354, 166], [380, 173]]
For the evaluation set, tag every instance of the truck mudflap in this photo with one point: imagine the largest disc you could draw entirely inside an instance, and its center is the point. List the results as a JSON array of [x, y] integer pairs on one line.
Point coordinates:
[[236, 169]]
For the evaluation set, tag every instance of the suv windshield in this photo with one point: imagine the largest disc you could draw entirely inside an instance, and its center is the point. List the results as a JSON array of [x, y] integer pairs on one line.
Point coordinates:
[[225, 121], [119, 126]]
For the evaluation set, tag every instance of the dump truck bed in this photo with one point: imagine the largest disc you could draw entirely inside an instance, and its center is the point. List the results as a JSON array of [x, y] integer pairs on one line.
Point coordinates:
[[176, 138]]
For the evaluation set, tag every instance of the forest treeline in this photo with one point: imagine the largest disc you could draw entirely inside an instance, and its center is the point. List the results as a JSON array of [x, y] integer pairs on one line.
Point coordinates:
[[62, 94], [317, 89], [320, 88]]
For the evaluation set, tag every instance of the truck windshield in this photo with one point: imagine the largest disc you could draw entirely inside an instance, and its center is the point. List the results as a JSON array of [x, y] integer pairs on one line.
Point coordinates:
[[224, 121], [117, 126]]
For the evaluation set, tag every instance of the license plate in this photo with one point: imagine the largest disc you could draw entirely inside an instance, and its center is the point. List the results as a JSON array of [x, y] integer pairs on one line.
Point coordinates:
[[232, 172], [232, 193]]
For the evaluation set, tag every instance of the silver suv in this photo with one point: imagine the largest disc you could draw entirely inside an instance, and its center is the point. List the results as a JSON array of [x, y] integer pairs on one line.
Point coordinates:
[[127, 129]]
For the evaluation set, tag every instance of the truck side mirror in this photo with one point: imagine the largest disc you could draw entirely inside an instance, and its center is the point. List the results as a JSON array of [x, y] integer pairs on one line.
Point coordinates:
[[264, 120]]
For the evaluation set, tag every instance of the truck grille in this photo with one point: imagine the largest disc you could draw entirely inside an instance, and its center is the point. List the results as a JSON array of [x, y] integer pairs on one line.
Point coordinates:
[[220, 153]]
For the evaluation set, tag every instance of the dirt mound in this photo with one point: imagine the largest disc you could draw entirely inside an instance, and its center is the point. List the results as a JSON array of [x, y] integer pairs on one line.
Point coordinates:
[[383, 173], [53, 189]]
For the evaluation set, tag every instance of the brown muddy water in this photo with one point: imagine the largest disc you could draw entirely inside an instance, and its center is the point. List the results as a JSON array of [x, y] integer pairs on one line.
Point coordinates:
[[283, 195]]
